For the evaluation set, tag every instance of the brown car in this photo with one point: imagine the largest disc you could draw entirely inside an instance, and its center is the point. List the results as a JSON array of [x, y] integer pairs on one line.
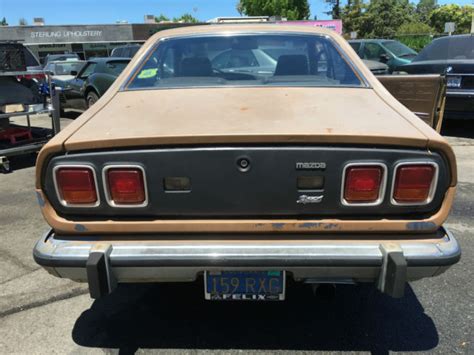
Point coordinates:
[[283, 158]]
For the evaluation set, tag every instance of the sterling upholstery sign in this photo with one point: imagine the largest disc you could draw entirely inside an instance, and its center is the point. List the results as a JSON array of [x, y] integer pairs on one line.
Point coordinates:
[[67, 34]]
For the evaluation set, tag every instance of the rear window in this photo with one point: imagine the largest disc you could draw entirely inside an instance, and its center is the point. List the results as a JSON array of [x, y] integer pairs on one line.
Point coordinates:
[[65, 68], [245, 60], [399, 49], [116, 67]]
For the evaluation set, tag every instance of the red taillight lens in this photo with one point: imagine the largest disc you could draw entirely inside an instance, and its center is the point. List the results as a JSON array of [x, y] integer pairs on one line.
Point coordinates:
[[413, 183], [362, 184], [76, 186], [126, 186]]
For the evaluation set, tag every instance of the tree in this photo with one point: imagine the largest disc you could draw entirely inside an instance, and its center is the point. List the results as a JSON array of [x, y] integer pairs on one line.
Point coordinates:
[[22, 22], [3, 22], [291, 9], [162, 18], [461, 16], [414, 28], [353, 15], [378, 19], [424, 9], [415, 35], [186, 18]]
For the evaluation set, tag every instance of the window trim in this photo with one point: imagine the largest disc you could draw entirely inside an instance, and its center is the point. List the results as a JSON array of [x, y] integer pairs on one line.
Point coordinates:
[[135, 71]]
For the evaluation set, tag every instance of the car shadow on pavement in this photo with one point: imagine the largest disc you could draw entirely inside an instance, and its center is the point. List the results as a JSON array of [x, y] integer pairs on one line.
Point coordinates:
[[175, 316]]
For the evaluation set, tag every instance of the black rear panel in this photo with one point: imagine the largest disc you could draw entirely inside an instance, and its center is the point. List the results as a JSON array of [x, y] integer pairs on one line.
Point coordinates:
[[222, 187]]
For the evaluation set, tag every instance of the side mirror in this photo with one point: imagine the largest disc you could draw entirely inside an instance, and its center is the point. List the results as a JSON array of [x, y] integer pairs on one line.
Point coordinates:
[[384, 58], [73, 73]]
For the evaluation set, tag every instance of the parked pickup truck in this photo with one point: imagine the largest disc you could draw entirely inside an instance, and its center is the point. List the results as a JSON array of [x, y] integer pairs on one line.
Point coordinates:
[[243, 179]]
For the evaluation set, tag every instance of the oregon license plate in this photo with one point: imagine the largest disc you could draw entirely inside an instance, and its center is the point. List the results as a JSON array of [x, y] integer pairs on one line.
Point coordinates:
[[245, 285]]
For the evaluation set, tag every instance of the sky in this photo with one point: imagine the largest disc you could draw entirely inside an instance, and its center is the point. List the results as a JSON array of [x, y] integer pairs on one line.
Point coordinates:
[[60, 12]]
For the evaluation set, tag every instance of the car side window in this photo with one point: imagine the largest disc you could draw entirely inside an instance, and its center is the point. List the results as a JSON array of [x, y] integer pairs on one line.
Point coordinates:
[[88, 70], [49, 68], [373, 51], [355, 46]]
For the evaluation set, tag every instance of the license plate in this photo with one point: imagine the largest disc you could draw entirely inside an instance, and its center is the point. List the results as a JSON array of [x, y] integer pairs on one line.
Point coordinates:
[[454, 81], [245, 285]]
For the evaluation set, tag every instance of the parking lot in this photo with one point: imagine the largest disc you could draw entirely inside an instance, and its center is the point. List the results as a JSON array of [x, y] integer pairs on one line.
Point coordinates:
[[42, 314]]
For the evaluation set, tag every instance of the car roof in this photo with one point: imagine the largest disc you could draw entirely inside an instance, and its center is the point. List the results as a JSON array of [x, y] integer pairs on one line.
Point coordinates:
[[66, 61], [371, 40], [63, 55], [129, 45], [454, 37], [244, 28], [107, 59]]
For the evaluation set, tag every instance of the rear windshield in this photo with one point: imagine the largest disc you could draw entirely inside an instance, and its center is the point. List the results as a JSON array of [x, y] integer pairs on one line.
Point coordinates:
[[399, 49], [115, 67], [243, 60], [453, 47], [65, 68]]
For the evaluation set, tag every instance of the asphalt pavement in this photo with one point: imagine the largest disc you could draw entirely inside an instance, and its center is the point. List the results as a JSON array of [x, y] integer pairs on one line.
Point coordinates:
[[42, 314]]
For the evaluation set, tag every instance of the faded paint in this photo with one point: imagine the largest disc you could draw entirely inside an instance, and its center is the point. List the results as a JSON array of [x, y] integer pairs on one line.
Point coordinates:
[[192, 226], [80, 228], [278, 225], [331, 226], [420, 226], [310, 225], [273, 116], [40, 199]]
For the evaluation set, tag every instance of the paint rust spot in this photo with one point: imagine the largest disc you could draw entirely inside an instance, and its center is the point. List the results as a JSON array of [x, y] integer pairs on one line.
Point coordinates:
[[420, 226], [331, 226], [278, 225], [310, 225], [40, 199], [80, 228]]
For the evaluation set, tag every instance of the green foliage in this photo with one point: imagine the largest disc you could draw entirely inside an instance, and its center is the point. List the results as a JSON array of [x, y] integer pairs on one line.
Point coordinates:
[[378, 19], [352, 16], [291, 9], [424, 9], [414, 28], [415, 35], [162, 18], [186, 18], [415, 42], [3, 22], [461, 16]]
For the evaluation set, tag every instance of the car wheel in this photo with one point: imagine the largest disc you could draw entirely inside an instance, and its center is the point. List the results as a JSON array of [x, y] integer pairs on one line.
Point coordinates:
[[91, 98]]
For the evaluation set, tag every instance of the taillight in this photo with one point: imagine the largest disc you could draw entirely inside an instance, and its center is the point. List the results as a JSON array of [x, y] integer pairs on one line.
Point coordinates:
[[364, 184], [125, 186], [39, 77], [414, 184], [76, 186]]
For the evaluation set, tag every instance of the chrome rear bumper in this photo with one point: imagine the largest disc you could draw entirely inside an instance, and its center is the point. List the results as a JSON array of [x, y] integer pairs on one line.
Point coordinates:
[[152, 260]]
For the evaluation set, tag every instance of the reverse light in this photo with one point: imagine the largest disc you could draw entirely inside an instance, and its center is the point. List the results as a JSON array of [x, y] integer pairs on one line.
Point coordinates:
[[76, 186], [364, 184], [414, 183], [125, 186]]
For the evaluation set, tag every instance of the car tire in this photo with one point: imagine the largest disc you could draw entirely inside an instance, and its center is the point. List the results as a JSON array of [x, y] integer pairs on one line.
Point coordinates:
[[91, 98]]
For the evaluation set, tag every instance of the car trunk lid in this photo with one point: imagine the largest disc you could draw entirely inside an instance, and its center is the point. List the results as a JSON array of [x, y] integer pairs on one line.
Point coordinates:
[[209, 116]]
